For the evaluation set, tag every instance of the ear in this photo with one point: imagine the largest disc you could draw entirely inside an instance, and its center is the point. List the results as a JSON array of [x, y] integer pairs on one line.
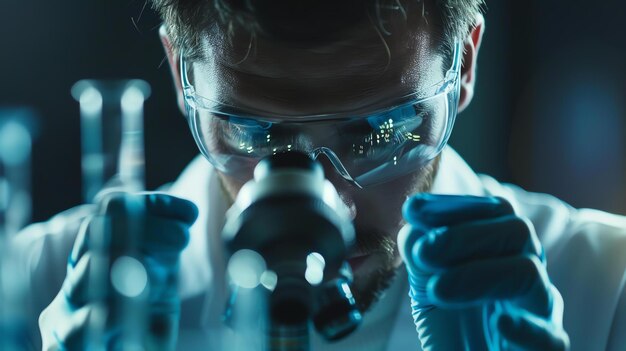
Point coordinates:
[[471, 45], [174, 61]]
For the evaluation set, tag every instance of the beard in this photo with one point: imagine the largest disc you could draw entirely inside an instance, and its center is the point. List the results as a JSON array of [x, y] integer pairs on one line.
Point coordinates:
[[368, 287]]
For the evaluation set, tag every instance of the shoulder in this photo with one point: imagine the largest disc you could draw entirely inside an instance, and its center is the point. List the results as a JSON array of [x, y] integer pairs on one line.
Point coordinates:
[[551, 217], [599, 237], [585, 240], [589, 269], [45, 240], [44, 248], [192, 181], [586, 253]]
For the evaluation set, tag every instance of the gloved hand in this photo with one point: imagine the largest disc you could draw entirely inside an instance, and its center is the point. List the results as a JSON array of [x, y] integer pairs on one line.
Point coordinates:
[[477, 275], [157, 227]]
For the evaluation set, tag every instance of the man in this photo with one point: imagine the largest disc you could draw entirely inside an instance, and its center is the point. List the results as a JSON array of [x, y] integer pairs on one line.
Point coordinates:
[[371, 90]]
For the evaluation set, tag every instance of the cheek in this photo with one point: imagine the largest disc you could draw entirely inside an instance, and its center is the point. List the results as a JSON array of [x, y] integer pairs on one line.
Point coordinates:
[[379, 209], [383, 204], [231, 186]]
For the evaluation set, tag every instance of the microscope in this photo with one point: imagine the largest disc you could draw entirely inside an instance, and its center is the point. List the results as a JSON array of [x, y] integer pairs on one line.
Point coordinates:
[[289, 226]]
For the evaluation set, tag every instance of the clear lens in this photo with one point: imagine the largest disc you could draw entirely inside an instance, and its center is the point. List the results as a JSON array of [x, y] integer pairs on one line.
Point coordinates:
[[412, 146], [365, 150], [371, 149]]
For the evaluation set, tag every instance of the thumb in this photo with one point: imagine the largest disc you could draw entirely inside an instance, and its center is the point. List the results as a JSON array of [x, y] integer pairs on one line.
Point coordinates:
[[152, 203], [407, 237], [165, 205], [418, 278]]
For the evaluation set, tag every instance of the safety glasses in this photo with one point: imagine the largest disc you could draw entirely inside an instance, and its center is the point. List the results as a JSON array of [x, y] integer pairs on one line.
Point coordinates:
[[364, 149]]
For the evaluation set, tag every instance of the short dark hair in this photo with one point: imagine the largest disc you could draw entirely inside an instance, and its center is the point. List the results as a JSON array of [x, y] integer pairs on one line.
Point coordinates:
[[311, 20]]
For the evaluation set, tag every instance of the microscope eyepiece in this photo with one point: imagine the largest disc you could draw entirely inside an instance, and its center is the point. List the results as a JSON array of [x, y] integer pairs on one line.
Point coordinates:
[[287, 161]]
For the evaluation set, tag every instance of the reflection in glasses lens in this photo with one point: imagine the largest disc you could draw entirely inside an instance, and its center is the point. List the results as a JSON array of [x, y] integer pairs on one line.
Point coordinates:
[[365, 150]]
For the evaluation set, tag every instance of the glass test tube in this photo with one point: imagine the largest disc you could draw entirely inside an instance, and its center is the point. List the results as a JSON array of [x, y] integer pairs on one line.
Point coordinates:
[[113, 160], [246, 313], [111, 134], [15, 210], [15, 155]]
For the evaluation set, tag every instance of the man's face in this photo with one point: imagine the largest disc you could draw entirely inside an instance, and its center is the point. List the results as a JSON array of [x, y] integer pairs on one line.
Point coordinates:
[[357, 72]]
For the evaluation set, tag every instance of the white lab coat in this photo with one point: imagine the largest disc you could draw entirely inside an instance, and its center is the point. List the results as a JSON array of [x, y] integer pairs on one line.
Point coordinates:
[[586, 254]]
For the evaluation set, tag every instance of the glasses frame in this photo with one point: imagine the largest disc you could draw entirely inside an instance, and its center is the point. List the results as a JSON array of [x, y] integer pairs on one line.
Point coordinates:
[[194, 102]]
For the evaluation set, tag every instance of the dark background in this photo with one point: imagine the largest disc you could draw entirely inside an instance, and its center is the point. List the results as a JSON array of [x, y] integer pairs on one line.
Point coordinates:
[[549, 111]]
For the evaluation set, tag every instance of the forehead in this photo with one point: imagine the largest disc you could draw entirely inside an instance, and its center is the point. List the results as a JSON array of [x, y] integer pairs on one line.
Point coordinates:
[[361, 69]]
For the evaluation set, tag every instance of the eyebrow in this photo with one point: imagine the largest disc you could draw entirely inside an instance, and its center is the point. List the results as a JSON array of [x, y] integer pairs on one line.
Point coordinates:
[[374, 113], [368, 96]]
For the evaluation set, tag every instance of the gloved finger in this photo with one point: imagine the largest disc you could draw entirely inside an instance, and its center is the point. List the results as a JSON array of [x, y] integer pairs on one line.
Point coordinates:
[[110, 233], [418, 278], [160, 264], [162, 279], [450, 330], [431, 211], [523, 331], [94, 235], [119, 234], [75, 330], [497, 237], [407, 238], [163, 326], [172, 207], [522, 278], [156, 322], [80, 244], [157, 236], [92, 327], [558, 306], [79, 288], [76, 283], [156, 204]]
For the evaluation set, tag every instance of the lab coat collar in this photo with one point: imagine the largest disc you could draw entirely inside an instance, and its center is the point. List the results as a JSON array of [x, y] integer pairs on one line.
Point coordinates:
[[455, 177]]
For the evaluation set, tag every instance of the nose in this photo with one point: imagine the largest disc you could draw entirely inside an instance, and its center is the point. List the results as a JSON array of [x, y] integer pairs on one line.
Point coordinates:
[[344, 187]]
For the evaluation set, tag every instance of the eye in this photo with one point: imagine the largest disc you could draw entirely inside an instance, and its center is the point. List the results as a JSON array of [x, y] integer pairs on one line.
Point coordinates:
[[405, 115], [249, 122], [399, 124], [411, 129], [254, 138], [242, 135], [383, 135]]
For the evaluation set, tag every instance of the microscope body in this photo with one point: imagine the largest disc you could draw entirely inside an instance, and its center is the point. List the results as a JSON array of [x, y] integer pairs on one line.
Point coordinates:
[[293, 219]]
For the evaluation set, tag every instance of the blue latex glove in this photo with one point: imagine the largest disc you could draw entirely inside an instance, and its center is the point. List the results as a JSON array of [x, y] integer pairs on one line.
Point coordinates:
[[159, 226], [477, 277]]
